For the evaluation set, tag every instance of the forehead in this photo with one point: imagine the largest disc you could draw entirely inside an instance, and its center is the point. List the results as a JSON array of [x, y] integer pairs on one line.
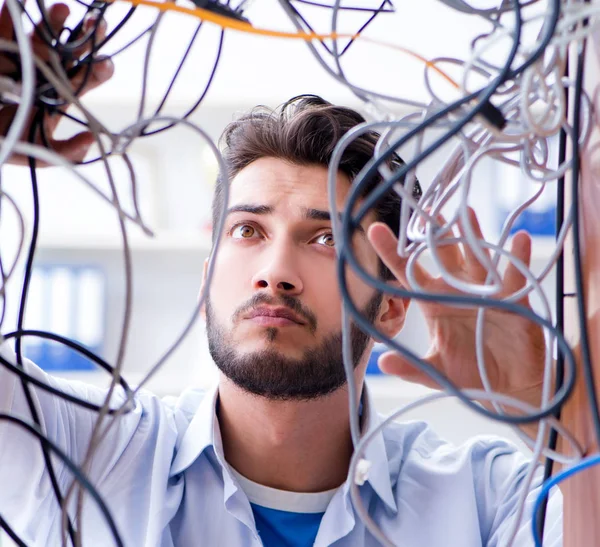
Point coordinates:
[[277, 182]]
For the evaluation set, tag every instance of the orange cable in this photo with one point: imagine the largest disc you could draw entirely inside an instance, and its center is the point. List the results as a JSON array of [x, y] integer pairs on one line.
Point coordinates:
[[231, 23]]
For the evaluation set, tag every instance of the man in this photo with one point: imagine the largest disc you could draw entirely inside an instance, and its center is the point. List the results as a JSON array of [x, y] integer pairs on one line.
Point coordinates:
[[263, 458]]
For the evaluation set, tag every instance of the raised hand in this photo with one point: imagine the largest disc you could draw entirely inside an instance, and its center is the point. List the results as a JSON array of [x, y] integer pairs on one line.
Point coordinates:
[[76, 147], [514, 346]]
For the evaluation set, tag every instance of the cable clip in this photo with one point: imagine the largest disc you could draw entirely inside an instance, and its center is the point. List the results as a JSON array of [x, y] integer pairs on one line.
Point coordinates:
[[362, 471]]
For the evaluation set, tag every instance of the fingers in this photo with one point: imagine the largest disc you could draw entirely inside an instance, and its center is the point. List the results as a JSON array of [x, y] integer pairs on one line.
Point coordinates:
[[57, 15], [101, 72], [6, 24], [95, 31], [86, 78], [448, 253], [391, 362], [474, 267], [385, 244], [74, 149], [514, 280]]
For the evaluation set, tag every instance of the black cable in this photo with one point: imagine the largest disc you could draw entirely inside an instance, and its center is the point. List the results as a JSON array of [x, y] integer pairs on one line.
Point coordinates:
[[36, 123], [308, 27], [204, 92], [586, 357], [111, 34], [178, 70], [190, 111], [560, 311], [113, 54], [482, 95], [350, 222], [42, 9], [86, 63], [74, 346], [88, 67], [347, 256], [90, 59], [11, 533], [364, 26], [349, 8], [51, 98], [3, 280], [44, 95], [75, 119], [49, 446]]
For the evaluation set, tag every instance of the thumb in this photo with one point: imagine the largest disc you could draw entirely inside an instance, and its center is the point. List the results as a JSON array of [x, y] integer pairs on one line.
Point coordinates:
[[391, 362], [75, 148]]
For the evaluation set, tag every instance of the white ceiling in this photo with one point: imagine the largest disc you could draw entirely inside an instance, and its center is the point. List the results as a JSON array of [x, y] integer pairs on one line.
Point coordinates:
[[255, 69]]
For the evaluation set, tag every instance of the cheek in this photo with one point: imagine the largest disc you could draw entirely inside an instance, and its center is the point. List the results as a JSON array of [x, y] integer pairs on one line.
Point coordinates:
[[230, 276], [359, 290], [322, 294]]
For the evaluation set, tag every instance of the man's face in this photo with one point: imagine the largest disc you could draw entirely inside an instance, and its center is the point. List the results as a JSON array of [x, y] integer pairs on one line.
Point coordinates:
[[274, 308]]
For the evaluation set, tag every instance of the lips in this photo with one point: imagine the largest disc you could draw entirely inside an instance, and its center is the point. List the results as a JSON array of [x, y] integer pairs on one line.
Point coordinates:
[[283, 314]]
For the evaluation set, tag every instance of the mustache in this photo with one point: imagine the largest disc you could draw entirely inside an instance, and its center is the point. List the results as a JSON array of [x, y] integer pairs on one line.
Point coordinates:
[[286, 300]]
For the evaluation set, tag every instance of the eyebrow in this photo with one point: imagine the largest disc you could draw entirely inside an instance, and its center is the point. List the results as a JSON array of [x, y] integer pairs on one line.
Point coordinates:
[[308, 213], [318, 214], [249, 208]]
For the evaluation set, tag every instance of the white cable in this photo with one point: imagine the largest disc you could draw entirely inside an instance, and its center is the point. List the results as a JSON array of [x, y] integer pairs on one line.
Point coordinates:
[[22, 114], [473, 394]]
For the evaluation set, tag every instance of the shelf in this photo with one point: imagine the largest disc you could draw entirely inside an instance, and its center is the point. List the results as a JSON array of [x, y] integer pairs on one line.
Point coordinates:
[[163, 242]]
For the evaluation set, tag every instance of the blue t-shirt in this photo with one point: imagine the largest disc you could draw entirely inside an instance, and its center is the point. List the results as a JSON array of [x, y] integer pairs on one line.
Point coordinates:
[[283, 518], [284, 528]]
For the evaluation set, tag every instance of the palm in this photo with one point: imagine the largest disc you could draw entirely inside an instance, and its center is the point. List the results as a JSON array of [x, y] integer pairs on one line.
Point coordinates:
[[76, 147], [513, 346]]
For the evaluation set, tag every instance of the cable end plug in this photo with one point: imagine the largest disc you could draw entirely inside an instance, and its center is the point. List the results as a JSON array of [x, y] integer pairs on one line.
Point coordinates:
[[220, 9], [493, 115], [362, 471]]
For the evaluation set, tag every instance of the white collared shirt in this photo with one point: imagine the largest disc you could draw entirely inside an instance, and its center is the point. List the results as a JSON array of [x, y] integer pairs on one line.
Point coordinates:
[[163, 475]]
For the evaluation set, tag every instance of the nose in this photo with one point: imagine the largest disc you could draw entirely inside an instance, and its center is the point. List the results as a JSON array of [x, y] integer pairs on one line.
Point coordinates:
[[279, 273]]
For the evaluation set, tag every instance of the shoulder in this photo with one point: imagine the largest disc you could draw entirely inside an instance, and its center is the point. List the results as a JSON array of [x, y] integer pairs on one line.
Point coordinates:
[[416, 447], [184, 407], [480, 480]]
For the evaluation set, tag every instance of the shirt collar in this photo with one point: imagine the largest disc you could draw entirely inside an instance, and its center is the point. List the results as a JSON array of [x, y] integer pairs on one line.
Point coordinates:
[[376, 454], [204, 432], [200, 433]]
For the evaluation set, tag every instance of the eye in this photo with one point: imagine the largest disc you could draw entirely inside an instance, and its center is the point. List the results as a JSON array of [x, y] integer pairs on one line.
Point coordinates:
[[326, 239], [243, 231]]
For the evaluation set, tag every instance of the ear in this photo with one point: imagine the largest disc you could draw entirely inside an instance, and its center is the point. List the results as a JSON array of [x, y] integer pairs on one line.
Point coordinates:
[[392, 313], [203, 287]]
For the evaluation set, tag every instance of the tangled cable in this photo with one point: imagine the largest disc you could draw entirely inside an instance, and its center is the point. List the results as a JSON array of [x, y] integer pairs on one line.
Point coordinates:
[[510, 119]]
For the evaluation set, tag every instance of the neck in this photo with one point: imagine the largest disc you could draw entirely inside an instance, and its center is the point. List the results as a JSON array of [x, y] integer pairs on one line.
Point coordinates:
[[300, 446]]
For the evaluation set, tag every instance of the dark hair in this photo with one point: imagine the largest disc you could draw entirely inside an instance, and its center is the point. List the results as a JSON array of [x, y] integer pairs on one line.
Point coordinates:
[[305, 131]]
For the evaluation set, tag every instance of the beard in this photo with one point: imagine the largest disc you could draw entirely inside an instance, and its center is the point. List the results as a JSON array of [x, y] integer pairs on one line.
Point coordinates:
[[270, 374]]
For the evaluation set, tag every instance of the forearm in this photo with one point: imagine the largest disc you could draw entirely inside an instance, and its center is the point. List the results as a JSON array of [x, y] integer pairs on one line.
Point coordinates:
[[532, 397], [581, 491]]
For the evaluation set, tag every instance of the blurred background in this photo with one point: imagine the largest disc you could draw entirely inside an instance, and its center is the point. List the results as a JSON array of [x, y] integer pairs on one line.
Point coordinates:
[[78, 284]]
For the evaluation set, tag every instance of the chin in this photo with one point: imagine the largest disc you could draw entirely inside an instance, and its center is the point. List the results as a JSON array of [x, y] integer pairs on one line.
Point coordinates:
[[285, 348]]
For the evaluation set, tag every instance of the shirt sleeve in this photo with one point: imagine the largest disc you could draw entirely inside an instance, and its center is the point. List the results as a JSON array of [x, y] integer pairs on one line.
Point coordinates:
[[502, 471], [27, 500]]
